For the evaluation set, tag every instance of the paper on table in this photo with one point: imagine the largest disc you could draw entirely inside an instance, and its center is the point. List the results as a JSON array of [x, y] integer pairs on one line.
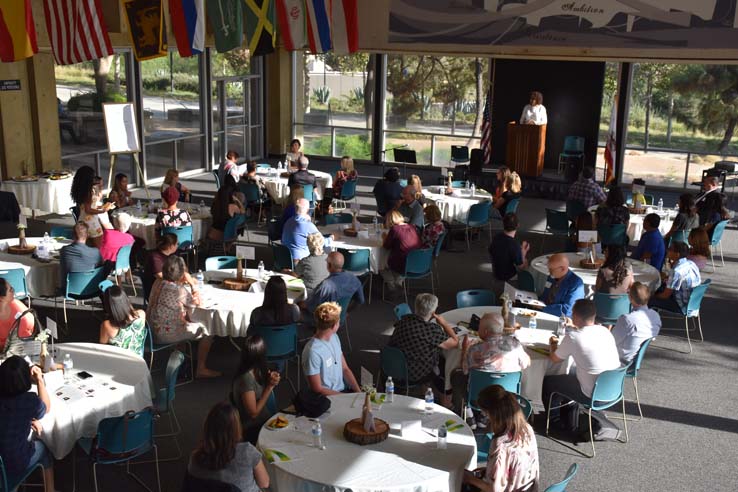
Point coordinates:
[[522, 295], [282, 454]]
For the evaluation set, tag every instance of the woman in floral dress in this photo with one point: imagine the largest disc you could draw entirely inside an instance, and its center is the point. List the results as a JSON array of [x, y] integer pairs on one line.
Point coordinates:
[[125, 326], [171, 216]]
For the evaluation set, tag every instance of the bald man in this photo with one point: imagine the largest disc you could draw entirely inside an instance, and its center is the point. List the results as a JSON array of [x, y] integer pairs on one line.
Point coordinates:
[[338, 285], [297, 229], [563, 287], [411, 209]]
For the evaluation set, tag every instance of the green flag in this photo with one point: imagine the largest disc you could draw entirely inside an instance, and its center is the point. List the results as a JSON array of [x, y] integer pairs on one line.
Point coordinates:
[[226, 19], [260, 26]]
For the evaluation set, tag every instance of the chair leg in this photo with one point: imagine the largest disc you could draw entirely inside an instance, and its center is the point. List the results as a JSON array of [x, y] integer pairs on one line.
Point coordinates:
[[712, 258], [722, 260], [94, 475], [699, 326], [65, 313], [133, 286], [638, 398], [625, 421], [686, 329], [371, 276], [591, 432]]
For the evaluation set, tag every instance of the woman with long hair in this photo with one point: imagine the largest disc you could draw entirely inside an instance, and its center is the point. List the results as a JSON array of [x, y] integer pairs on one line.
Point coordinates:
[[512, 463], [275, 310], [120, 194], [125, 326], [687, 218], [222, 455], [85, 194], [699, 247], [400, 239], [503, 172], [417, 184], [225, 205], [513, 188], [171, 179], [615, 276], [345, 173], [252, 386], [613, 211]]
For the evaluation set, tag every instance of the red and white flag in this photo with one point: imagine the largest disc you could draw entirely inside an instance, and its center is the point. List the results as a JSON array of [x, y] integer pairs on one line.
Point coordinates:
[[76, 30], [610, 147], [291, 18], [345, 26]]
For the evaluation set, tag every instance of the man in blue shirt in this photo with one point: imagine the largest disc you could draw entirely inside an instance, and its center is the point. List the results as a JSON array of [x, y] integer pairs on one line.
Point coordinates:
[[684, 277], [563, 287], [338, 285], [651, 247], [297, 229], [78, 257]]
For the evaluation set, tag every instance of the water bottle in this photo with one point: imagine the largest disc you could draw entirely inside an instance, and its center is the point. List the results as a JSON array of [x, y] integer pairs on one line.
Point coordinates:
[[68, 365], [261, 270], [47, 239], [473, 189], [376, 223], [442, 433], [202, 205], [317, 435], [429, 401], [661, 204], [561, 331], [138, 206], [532, 324], [470, 418], [200, 280], [511, 314], [389, 389]]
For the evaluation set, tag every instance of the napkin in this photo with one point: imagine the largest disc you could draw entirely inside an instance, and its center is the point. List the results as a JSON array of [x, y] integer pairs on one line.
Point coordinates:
[[282, 455]]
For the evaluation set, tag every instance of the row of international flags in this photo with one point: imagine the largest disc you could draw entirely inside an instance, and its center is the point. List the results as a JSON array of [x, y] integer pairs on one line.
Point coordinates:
[[77, 30]]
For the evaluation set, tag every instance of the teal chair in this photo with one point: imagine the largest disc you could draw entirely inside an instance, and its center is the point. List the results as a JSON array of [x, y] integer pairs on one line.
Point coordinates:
[[484, 440], [478, 380], [557, 224], [123, 265], [419, 264], [220, 263], [613, 234], [574, 208], [82, 286], [8, 484], [282, 257], [263, 165], [470, 298], [105, 285], [309, 195], [477, 218], [632, 373], [690, 311], [717, 240], [164, 401], [526, 281], [573, 147], [348, 192], [16, 277], [153, 347], [185, 240], [358, 262], [401, 310], [344, 303], [281, 343], [511, 207], [252, 195], [344, 218], [681, 236], [437, 252], [561, 486], [392, 362], [66, 232], [608, 391], [611, 306]]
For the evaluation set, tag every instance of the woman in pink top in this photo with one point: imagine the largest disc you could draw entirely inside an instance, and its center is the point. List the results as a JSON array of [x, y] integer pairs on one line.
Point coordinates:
[[9, 308], [114, 239]]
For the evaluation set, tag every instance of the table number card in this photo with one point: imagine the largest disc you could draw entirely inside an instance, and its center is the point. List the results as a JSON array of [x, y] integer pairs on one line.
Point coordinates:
[[366, 377], [444, 172], [51, 326], [246, 252], [638, 189], [587, 236]]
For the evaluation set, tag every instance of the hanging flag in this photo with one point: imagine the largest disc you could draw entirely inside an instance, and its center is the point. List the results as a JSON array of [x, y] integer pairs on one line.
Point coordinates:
[[17, 32], [77, 31], [260, 26], [345, 26], [486, 141], [188, 25], [226, 19], [318, 25], [610, 144], [146, 26], [291, 17]]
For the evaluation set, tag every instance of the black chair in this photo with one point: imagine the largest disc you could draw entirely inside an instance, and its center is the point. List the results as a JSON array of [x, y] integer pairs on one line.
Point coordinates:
[[194, 484], [459, 154], [476, 162]]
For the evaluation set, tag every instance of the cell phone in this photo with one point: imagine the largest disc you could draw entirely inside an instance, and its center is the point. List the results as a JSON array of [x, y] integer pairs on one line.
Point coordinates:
[[474, 322], [84, 375]]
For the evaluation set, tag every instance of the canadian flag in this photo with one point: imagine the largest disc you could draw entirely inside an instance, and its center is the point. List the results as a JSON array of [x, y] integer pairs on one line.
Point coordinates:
[[291, 19]]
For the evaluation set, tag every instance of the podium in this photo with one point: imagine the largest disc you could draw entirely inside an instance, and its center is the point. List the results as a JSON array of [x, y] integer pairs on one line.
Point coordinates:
[[525, 147]]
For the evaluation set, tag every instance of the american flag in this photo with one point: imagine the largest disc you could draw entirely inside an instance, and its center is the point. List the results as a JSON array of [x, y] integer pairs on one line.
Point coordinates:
[[76, 30], [486, 142]]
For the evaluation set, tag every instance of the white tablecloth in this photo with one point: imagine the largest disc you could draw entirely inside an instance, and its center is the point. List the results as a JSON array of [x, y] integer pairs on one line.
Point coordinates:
[[120, 379], [45, 194], [408, 463], [226, 313], [42, 278], [279, 191], [642, 272], [540, 365], [145, 227], [454, 207], [378, 255]]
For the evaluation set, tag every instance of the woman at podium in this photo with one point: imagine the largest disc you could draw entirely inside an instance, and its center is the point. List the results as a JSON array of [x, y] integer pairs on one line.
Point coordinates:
[[534, 113]]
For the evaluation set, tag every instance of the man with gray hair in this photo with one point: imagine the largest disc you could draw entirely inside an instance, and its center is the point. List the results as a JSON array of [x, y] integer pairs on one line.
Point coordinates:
[[338, 285], [312, 269], [411, 208], [301, 176], [421, 340], [114, 239], [297, 229]]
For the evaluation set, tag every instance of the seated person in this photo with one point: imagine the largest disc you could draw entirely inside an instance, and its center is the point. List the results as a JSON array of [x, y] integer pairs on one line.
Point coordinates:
[[125, 327], [506, 255], [297, 229], [713, 211], [421, 340], [227, 203], [651, 248], [78, 257], [171, 216], [411, 209], [687, 218], [344, 174], [120, 195], [22, 409], [336, 286], [388, 191], [400, 240], [586, 190], [222, 455], [502, 173], [417, 185], [323, 361], [615, 276], [593, 349], [634, 328], [171, 180], [10, 309], [513, 189], [296, 192], [638, 201], [710, 184], [512, 463], [699, 247], [166, 245], [169, 312], [685, 276], [252, 386], [293, 155], [250, 176], [276, 309], [114, 239], [433, 226], [613, 211], [301, 176], [229, 167], [313, 269], [563, 287]]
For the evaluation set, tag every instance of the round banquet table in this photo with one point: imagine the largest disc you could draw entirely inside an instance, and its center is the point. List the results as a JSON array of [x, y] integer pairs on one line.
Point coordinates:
[[642, 272], [402, 463], [378, 255], [226, 313], [277, 187], [454, 207], [120, 382], [143, 224], [48, 195], [42, 277], [540, 365], [635, 225]]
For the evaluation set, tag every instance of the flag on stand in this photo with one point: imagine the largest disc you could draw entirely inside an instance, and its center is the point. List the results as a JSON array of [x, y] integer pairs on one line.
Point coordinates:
[[486, 140], [188, 25], [260, 26], [226, 19], [291, 17], [345, 26], [146, 26], [77, 31], [318, 25], [610, 144], [17, 32]]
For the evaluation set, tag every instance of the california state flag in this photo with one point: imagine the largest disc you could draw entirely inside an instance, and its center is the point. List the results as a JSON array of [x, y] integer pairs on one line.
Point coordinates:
[[291, 21], [610, 144]]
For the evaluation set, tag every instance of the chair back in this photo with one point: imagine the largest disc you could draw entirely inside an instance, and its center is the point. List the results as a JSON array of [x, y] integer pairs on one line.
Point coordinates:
[[403, 182], [439, 244], [263, 165], [84, 285], [478, 380], [511, 207], [611, 306], [75, 213], [356, 260], [419, 263], [608, 388], [184, 235], [348, 190], [525, 405], [282, 257], [556, 222], [459, 153], [344, 303], [16, 277], [681, 236], [122, 438], [250, 191], [274, 230], [217, 178], [478, 214], [695, 298], [573, 145], [574, 208], [123, 260], [220, 262], [231, 228], [526, 281], [174, 364], [469, 298], [635, 364], [307, 193], [338, 218], [458, 184], [195, 484], [281, 341], [612, 234], [3, 477], [649, 199], [717, 232], [105, 285], [401, 310], [394, 364], [561, 486], [62, 231]]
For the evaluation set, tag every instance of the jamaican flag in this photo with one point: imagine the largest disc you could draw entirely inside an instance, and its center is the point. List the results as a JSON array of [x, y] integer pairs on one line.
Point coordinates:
[[226, 19], [260, 24]]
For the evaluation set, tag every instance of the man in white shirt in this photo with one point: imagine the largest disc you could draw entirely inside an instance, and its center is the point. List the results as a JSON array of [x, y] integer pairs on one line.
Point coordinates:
[[593, 348], [634, 328], [229, 167]]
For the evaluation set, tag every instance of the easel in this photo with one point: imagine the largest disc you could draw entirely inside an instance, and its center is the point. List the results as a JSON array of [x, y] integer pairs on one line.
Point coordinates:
[[122, 133], [139, 170]]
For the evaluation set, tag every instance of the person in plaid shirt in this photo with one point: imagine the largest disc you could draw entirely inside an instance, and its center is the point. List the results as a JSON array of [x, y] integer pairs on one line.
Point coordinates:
[[585, 190], [685, 276]]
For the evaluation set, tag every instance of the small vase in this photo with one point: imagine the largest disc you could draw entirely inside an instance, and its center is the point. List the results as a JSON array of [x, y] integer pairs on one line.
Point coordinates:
[[22, 238]]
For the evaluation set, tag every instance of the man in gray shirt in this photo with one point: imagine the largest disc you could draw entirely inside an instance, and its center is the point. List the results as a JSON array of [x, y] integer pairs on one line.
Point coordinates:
[[78, 257], [313, 269], [634, 328], [411, 209]]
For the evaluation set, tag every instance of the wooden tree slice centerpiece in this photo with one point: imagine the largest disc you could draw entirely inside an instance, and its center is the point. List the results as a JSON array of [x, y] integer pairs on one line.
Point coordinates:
[[588, 264], [240, 282], [22, 248], [354, 432]]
